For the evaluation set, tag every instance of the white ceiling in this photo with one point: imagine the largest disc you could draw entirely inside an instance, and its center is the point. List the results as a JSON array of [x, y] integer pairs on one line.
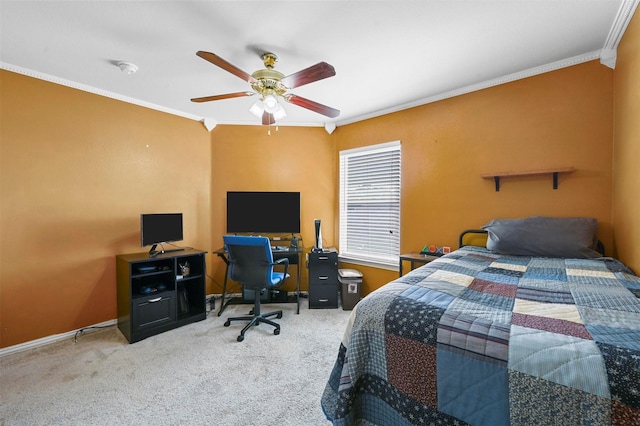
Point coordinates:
[[388, 55]]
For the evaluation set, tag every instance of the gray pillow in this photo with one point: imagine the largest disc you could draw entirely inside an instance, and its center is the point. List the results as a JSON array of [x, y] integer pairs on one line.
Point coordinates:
[[566, 237]]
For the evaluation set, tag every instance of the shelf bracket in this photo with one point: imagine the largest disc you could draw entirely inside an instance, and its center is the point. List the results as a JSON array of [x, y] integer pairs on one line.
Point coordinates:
[[555, 180], [496, 179]]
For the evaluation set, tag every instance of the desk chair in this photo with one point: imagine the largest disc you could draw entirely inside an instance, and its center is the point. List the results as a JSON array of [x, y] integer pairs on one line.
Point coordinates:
[[251, 264]]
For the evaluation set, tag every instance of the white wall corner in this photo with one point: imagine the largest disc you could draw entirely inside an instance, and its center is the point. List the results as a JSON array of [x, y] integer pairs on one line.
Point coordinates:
[[329, 127], [608, 57], [209, 123]]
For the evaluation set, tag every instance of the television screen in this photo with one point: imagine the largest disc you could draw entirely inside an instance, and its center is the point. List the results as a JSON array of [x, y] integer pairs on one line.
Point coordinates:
[[159, 228], [263, 212]]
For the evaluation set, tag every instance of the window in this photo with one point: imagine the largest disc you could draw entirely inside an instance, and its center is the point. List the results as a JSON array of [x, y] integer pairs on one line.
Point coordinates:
[[370, 204]]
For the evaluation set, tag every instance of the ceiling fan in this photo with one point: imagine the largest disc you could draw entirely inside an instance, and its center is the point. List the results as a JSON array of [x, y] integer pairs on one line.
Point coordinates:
[[271, 84]]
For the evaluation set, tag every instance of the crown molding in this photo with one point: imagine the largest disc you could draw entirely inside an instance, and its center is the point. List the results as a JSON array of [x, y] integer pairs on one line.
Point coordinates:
[[422, 101], [553, 66], [116, 96], [608, 54], [94, 90]]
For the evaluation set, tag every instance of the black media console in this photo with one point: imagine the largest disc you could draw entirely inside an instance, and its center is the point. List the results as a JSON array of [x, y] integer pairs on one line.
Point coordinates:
[[155, 295]]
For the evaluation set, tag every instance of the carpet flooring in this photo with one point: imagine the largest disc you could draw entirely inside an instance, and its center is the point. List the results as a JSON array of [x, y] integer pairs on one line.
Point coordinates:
[[197, 374]]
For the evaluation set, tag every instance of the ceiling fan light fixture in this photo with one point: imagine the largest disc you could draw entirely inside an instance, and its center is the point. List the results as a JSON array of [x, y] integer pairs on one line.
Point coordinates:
[[271, 104], [279, 113], [257, 108]]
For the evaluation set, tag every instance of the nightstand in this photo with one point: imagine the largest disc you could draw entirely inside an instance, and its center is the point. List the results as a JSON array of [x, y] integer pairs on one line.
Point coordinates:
[[415, 258]]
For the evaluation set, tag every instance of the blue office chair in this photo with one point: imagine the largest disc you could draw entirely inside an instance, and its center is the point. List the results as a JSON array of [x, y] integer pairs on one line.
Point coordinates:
[[251, 264]]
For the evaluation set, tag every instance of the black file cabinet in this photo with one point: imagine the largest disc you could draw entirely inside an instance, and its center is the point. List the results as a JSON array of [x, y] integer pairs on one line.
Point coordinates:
[[323, 279]]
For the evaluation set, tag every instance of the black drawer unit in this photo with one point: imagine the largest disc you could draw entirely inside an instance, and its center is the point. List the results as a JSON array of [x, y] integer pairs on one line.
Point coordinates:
[[323, 279], [153, 311]]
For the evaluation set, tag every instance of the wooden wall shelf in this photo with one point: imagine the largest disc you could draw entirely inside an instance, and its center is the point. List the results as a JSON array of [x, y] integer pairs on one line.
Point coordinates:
[[553, 171]]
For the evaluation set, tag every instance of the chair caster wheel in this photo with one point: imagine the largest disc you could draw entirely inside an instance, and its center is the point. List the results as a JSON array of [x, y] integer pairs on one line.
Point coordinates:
[[227, 323], [240, 338], [276, 331]]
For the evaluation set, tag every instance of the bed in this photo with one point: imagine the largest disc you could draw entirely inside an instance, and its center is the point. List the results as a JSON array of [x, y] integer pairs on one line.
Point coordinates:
[[483, 336]]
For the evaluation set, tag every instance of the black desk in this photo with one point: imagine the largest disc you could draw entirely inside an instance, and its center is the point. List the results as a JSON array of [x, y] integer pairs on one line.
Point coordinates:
[[294, 259]]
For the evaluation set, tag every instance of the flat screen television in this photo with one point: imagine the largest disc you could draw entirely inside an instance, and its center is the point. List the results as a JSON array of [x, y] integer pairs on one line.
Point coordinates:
[[263, 212], [159, 228]]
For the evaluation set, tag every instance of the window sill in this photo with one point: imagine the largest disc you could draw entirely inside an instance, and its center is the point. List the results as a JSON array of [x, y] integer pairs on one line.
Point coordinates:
[[370, 263]]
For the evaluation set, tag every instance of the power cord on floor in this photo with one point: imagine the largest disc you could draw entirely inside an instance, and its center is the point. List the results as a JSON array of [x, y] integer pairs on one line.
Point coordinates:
[[82, 330]]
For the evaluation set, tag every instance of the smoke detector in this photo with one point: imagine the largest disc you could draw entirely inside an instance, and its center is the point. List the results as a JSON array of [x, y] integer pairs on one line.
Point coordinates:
[[128, 67]]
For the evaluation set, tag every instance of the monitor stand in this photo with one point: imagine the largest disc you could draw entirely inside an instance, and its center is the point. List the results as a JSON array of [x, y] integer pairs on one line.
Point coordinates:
[[154, 253]]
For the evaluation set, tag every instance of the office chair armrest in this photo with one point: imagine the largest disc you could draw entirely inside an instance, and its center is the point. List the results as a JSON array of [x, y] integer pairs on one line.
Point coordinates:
[[285, 261]]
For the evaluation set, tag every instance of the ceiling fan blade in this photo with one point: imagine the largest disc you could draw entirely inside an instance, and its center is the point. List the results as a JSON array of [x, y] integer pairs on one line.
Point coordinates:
[[315, 72], [220, 97], [217, 60], [311, 105], [267, 118]]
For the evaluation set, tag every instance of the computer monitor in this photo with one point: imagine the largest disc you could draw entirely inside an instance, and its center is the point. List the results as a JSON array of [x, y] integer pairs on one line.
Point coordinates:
[[158, 228], [263, 212]]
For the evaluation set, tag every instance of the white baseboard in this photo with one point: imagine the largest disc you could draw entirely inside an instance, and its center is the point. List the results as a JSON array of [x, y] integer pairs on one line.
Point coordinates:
[[70, 334], [49, 339]]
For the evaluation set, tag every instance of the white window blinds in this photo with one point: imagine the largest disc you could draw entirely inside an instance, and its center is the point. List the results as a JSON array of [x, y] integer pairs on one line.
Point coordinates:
[[370, 203]]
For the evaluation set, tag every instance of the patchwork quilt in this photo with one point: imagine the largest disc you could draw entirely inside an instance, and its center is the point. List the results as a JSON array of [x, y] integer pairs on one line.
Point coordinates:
[[486, 339]]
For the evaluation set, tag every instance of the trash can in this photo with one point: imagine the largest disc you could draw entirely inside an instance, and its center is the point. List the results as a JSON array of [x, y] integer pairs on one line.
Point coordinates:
[[351, 283]]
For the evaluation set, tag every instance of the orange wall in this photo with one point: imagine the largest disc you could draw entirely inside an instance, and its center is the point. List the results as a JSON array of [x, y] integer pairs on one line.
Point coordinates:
[[76, 172], [562, 118], [626, 149], [246, 158]]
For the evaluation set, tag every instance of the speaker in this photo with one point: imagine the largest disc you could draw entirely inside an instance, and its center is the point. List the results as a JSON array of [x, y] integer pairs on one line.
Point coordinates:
[[318, 246]]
